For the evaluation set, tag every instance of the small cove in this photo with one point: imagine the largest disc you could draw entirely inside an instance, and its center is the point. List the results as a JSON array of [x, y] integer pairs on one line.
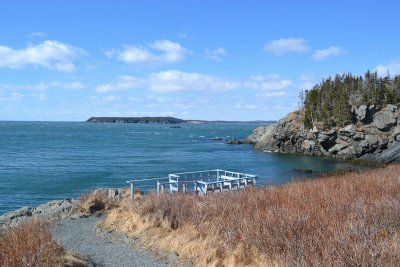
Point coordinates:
[[42, 161]]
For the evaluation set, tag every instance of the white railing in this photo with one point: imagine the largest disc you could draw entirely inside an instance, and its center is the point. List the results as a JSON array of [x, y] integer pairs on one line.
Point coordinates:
[[204, 181]]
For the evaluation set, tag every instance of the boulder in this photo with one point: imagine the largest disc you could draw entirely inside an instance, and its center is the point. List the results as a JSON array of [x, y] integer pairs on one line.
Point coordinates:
[[235, 141], [349, 130], [339, 146], [391, 108], [49, 211], [358, 136], [54, 209], [385, 119], [361, 112], [347, 152], [22, 212], [365, 113], [363, 144], [308, 144], [371, 139], [395, 136]]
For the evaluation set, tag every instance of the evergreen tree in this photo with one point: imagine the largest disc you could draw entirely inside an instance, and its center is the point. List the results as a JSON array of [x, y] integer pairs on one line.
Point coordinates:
[[331, 101]]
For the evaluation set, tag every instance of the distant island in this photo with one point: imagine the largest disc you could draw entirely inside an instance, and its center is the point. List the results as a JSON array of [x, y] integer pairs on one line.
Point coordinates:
[[164, 120]]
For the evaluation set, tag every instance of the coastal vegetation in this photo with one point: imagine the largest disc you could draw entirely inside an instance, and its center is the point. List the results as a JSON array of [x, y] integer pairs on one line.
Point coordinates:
[[347, 117], [332, 101], [349, 219], [31, 244]]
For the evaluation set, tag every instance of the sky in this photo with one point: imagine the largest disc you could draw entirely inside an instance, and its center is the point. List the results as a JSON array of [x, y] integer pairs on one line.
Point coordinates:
[[210, 59]]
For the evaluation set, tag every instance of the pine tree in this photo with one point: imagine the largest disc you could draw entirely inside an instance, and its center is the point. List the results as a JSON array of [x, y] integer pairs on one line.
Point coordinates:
[[331, 101]]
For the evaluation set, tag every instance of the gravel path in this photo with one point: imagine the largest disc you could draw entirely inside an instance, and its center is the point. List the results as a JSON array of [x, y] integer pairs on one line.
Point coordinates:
[[105, 249]]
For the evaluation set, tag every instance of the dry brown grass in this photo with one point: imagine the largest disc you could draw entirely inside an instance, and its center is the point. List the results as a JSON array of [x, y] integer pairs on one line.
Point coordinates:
[[347, 220], [31, 244], [95, 202]]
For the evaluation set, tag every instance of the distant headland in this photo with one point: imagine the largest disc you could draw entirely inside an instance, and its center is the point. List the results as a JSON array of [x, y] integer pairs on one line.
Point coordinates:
[[164, 120]]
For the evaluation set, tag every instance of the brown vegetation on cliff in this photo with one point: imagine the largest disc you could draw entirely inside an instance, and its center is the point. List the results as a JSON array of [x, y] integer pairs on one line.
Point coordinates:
[[347, 220]]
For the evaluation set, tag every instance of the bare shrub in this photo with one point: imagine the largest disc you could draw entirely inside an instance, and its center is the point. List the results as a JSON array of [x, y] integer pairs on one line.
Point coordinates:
[[29, 244]]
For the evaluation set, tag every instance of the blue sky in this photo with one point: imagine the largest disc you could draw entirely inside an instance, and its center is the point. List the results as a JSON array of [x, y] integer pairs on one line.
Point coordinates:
[[231, 60]]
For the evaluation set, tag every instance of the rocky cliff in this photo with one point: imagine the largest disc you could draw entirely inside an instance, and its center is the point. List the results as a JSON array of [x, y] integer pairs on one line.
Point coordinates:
[[374, 136]]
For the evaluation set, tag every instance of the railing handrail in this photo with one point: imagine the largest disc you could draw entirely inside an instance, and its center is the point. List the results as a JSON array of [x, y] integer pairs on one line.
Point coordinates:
[[178, 173], [149, 179], [165, 178]]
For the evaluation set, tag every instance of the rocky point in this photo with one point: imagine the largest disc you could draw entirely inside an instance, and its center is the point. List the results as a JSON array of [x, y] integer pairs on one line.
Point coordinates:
[[374, 136]]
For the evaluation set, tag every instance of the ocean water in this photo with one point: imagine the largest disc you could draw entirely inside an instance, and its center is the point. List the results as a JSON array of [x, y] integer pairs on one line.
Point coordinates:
[[41, 161]]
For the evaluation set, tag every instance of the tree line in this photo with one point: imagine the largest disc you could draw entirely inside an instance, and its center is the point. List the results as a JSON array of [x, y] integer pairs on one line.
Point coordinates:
[[331, 102]]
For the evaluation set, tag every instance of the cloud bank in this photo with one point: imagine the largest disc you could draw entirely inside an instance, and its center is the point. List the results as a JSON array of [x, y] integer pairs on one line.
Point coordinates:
[[172, 81]]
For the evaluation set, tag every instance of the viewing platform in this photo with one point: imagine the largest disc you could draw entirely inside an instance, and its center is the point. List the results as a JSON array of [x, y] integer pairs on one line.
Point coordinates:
[[200, 182]]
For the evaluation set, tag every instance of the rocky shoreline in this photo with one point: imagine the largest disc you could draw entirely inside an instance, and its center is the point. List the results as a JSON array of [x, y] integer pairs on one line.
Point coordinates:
[[50, 211], [374, 136], [53, 210]]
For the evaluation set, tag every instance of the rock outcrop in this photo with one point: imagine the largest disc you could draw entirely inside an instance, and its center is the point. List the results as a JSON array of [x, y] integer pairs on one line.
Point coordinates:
[[374, 136], [56, 209]]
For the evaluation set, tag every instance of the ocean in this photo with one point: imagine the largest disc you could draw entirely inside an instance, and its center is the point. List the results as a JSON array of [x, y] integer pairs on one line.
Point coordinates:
[[42, 161]]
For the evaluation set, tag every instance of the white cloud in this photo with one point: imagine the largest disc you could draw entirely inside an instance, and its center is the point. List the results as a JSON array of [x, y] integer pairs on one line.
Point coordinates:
[[215, 54], [135, 55], [328, 52], [49, 54], [110, 98], [170, 81], [159, 52], [43, 86], [247, 106], [124, 82], [267, 82], [272, 94], [174, 81], [285, 45], [393, 68], [74, 86]]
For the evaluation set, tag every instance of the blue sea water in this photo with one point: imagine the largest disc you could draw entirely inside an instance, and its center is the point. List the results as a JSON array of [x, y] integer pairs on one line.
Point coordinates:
[[41, 161]]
